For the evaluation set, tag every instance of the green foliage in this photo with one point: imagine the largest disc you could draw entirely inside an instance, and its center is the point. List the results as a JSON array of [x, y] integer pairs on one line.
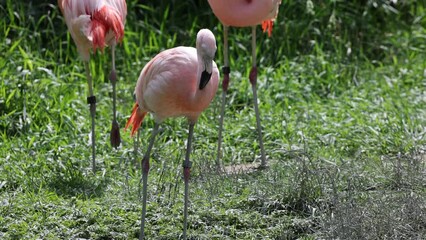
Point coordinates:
[[342, 98], [365, 27]]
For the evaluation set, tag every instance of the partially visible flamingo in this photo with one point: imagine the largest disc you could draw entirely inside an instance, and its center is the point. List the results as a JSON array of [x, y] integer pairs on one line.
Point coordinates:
[[243, 13], [96, 24], [181, 81]]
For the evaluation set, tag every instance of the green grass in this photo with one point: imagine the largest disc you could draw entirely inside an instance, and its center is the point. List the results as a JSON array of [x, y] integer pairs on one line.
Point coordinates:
[[345, 132]]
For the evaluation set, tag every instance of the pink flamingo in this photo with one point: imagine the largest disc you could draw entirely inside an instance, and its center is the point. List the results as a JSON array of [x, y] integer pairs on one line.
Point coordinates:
[[181, 81], [96, 24], [243, 13]]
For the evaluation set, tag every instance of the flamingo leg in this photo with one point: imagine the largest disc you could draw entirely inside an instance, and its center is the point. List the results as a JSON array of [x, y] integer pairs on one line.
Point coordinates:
[[226, 70], [115, 129], [186, 172], [253, 81], [91, 99], [145, 170], [135, 147]]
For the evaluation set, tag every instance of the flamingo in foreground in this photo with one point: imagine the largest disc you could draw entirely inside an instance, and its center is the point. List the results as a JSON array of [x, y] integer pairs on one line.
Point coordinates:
[[181, 81], [96, 24], [243, 13]]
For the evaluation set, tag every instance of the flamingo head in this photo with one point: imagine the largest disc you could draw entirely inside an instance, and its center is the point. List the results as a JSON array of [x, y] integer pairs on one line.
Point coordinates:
[[206, 50]]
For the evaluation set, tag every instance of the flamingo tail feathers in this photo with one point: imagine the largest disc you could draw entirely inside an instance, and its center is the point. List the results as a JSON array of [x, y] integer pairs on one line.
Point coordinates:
[[135, 119], [104, 20], [267, 26]]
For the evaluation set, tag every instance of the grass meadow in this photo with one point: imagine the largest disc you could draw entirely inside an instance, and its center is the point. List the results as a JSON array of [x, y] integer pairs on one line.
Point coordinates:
[[342, 88]]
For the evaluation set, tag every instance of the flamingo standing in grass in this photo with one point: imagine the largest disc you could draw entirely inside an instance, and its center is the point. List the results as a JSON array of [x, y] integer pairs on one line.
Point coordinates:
[[95, 24], [181, 81], [243, 13]]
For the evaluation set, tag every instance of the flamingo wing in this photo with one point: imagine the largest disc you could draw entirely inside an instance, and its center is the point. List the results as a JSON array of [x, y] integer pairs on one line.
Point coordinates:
[[121, 7]]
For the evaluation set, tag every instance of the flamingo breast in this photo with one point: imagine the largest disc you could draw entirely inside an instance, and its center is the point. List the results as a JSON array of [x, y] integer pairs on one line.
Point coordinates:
[[168, 85]]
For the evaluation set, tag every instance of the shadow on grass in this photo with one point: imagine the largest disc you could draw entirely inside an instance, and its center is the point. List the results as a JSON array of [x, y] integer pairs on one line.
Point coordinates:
[[70, 181]]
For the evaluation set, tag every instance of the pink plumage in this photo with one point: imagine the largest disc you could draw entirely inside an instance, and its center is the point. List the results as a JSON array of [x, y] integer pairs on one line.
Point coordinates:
[[94, 24], [246, 13], [168, 85]]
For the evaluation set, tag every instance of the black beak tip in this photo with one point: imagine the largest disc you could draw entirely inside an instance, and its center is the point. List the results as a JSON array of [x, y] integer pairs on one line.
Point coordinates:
[[205, 78]]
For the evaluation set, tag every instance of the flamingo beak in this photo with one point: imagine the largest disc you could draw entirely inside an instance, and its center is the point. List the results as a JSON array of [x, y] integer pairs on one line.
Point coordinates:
[[205, 78], [207, 73]]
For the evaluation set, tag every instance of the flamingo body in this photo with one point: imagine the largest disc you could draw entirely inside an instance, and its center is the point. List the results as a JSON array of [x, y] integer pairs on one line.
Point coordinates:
[[168, 85], [246, 13], [95, 23]]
